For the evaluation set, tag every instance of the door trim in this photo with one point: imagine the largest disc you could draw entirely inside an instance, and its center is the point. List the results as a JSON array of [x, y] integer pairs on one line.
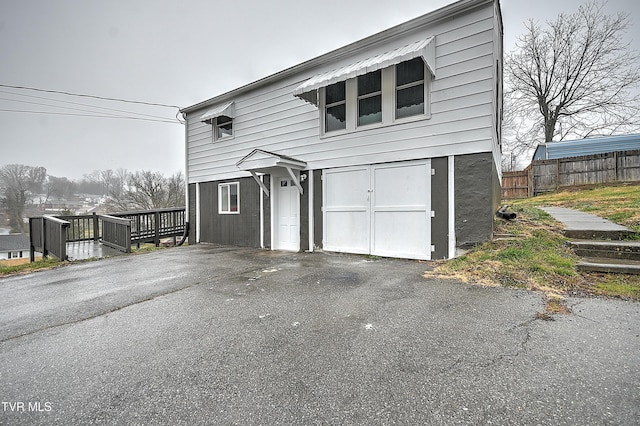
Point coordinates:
[[275, 179]]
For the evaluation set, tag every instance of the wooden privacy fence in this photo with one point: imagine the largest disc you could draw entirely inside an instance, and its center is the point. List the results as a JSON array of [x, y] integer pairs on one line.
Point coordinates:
[[50, 234], [544, 176]]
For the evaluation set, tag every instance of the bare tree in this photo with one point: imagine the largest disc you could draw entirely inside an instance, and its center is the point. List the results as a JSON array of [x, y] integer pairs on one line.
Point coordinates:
[[576, 77], [147, 190], [17, 183], [58, 187]]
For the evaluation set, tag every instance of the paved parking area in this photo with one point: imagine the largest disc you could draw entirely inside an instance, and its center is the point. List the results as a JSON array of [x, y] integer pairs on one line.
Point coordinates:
[[222, 335]]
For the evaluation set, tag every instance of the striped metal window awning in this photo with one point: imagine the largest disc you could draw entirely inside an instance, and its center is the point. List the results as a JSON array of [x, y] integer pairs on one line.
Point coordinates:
[[227, 110], [423, 48]]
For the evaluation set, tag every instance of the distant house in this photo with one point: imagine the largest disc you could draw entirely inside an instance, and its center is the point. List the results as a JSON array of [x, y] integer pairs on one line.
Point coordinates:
[[588, 146], [388, 146], [14, 246]]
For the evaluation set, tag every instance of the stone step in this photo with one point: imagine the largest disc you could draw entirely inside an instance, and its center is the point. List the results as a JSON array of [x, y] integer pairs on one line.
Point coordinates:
[[584, 234], [629, 250], [609, 266]]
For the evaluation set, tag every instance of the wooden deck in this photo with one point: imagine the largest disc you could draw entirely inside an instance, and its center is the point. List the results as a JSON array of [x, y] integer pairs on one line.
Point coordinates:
[[81, 250], [87, 236]]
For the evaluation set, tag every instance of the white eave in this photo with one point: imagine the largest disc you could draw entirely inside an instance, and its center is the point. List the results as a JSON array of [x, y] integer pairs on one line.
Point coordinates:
[[422, 48], [226, 110]]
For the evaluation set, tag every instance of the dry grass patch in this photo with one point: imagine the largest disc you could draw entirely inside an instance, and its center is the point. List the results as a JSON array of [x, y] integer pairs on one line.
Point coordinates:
[[532, 254], [24, 266]]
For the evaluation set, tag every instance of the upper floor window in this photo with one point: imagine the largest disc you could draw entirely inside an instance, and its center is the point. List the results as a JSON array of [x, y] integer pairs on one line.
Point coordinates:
[[410, 88], [394, 94], [370, 98], [335, 107], [223, 127], [229, 198]]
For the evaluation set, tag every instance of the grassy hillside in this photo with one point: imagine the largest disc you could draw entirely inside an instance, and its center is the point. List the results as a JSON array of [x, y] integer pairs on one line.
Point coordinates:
[[619, 204], [530, 252]]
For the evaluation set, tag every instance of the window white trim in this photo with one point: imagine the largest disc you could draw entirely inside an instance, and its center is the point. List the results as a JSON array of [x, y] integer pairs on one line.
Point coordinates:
[[427, 99], [388, 94], [425, 96], [225, 207], [365, 96], [218, 123], [423, 48]]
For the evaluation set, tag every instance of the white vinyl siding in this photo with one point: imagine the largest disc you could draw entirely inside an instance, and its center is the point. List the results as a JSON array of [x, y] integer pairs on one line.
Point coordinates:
[[461, 111]]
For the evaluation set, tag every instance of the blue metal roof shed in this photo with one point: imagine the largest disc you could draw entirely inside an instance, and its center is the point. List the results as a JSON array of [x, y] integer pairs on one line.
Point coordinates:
[[589, 146]]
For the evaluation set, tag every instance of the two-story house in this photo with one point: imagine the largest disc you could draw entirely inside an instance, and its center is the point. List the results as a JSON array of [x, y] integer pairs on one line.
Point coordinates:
[[388, 146]]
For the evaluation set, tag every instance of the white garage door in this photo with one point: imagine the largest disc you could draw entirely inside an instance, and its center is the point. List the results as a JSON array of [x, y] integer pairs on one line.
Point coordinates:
[[381, 209]]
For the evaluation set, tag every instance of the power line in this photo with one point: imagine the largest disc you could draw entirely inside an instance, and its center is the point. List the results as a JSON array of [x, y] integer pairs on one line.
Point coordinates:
[[89, 115], [89, 96], [71, 103]]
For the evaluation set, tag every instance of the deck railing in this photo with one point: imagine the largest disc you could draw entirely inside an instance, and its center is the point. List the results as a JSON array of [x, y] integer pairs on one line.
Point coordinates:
[[152, 226], [116, 233], [83, 227], [49, 234]]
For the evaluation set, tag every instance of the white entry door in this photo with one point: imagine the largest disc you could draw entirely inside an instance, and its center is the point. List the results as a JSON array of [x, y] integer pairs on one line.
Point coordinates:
[[382, 209], [287, 214]]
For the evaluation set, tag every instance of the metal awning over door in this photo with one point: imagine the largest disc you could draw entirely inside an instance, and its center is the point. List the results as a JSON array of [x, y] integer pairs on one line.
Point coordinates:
[[265, 162]]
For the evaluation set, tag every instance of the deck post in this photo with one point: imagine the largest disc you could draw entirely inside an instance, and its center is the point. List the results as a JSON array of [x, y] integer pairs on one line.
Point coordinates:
[[62, 248], [96, 227], [156, 226], [45, 252], [138, 231], [32, 249]]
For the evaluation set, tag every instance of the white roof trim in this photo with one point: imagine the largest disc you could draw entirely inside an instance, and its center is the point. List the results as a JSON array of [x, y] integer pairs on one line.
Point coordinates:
[[262, 161], [424, 48], [227, 110]]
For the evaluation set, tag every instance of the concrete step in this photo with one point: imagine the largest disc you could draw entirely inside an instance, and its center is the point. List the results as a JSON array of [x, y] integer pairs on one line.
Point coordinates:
[[591, 234], [623, 250], [616, 266]]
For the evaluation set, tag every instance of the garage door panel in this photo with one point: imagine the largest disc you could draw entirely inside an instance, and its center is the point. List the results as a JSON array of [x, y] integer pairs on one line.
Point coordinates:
[[347, 231], [392, 236], [346, 205], [400, 185], [349, 188], [379, 209]]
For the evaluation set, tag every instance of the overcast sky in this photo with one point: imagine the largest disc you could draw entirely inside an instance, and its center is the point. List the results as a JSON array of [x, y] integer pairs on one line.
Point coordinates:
[[172, 53]]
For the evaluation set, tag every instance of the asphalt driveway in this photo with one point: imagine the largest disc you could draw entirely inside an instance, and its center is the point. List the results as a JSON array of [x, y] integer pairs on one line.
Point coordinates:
[[222, 335]]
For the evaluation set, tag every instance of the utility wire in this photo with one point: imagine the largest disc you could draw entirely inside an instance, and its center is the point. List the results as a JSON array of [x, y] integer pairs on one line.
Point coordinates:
[[72, 103], [89, 96], [89, 115]]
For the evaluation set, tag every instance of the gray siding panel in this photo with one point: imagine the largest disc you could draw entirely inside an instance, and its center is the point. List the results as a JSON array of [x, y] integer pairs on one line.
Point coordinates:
[[440, 205], [304, 216], [235, 229], [475, 182], [192, 213], [317, 208], [266, 201]]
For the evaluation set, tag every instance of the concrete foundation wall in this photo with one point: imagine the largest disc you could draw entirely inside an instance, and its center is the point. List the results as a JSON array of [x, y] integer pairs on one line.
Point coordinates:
[[477, 194]]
